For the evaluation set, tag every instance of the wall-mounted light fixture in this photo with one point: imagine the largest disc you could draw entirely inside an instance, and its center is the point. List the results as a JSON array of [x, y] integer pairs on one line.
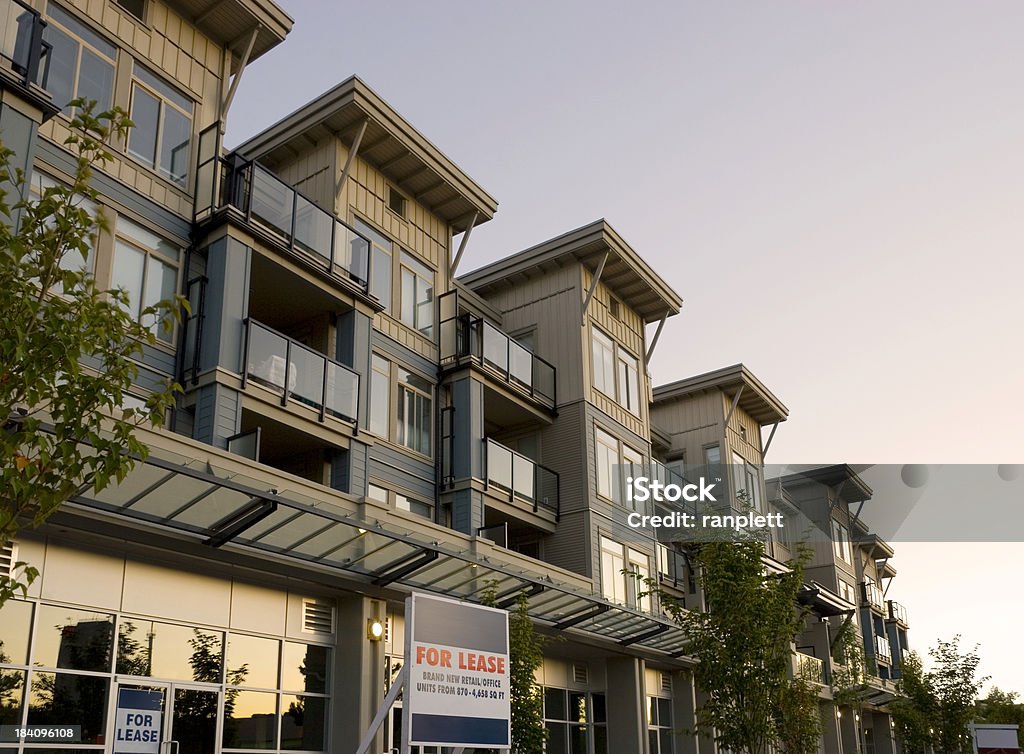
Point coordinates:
[[374, 629]]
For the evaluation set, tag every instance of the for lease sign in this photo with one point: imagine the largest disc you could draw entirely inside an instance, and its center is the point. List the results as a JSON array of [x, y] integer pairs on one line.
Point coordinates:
[[457, 692]]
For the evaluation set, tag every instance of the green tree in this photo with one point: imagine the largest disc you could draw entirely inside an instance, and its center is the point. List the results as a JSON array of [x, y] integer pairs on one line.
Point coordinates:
[[935, 707], [526, 655], [1002, 707], [743, 645], [67, 348], [849, 673]]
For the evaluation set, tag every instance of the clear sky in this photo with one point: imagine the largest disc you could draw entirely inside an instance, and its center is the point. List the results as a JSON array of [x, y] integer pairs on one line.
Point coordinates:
[[836, 190]]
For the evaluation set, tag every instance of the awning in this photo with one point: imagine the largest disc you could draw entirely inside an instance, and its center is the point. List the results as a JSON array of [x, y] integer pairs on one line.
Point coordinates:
[[239, 511]]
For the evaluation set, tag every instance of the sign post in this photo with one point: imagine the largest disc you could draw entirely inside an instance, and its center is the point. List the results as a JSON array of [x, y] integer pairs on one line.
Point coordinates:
[[458, 689]]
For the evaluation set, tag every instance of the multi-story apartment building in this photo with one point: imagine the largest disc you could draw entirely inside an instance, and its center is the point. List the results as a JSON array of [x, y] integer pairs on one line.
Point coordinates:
[[358, 421]]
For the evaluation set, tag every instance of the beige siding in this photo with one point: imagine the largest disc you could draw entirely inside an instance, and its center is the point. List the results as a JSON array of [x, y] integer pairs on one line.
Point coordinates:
[[692, 422], [174, 49], [743, 434]]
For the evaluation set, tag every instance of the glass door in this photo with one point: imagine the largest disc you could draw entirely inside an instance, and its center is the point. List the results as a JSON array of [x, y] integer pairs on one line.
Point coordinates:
[[158, 718]]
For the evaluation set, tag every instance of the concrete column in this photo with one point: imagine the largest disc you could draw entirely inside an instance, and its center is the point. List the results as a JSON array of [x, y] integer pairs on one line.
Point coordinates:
[[627, 721], [884, 740], [848, 732], [705, 736], [358, 688], [830, 738], [684, 714]]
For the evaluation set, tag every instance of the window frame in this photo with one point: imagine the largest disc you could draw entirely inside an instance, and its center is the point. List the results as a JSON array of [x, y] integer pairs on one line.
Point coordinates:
[[62, 23], [421, 274], [418, 392], [616, 363], [144, 80], [135, 244]]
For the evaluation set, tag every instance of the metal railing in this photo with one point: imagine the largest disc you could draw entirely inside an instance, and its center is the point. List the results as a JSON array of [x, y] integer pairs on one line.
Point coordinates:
[[520, 477], [810, 668], [873, 596], [285, 214], [882, 650], [464, 336], [309, 378], [22, 48], [897, 612]]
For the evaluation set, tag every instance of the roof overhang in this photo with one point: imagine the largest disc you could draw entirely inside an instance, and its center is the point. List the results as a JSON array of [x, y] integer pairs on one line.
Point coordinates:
[[628, 276], [211, 497], [875, 546], [841, 477], [390, 143], [756, 400], [232, 22], [823, 601]]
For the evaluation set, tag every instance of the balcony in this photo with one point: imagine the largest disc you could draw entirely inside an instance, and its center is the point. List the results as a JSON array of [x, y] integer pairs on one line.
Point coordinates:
[[873, 596], [882, 650], [898, 613], [810, 668], [22, 49], [312, 379], [468, 338], [283, 215], [521, 479]]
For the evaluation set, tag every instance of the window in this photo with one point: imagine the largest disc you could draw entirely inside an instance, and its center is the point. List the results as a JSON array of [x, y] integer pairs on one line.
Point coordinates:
[[659, 725], [623, 574], [629, 382], [380, 395], [146, 268], [616, 372], [631, 467], [607, 449], [417, 295], [377, 493], [640, 567], [163, 126], [72, 259], [613, 582], [576, 722], [81, 62], [396, 202], [603, 357], [380, 263], [712, 455], [841, 542], [412, 425], [403, 503], [136, 8]]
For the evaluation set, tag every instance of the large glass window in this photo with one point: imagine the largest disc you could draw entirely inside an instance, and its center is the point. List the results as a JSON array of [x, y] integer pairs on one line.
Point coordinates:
[[146, 268], [659, 725], [603, 356], [841, 542], [576, 722], [412, 426], [417, 295], [73, 639], [56, 698], [81, 62], [607, 457], [380, 395], [632, 462], [163, 126], [613, 562], [380, 263], [616, 371], [73, 258], [640, 568]]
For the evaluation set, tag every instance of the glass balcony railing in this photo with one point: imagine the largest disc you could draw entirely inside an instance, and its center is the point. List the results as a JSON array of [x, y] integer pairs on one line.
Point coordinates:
[[310, 378], [521, 478], [465, 336], [22, 49], [873, 596], [810, 668], [882, 651], [281, 212], [897, 612]]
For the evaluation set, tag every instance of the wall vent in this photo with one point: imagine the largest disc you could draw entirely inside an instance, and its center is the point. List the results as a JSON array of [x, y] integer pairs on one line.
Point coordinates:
[[317, 617], [579, 673], [8, 557], [666, 683]]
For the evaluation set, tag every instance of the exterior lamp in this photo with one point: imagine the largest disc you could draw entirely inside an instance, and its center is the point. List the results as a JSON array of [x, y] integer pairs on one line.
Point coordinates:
[[374, 629]]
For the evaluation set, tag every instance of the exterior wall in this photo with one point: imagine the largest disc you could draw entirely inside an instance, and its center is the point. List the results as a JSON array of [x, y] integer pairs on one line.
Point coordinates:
[[694, 424], [171, 47]]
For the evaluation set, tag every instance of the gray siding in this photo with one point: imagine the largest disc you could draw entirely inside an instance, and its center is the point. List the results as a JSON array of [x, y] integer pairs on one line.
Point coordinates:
[[397, 470], [218, 412]]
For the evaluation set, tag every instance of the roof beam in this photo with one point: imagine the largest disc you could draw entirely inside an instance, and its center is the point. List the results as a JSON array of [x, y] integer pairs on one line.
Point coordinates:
[[205, 14], [388, 164], [771, 436], [584, 616], [352, 152], [656, 631], [230, 96], [462, 246], [593, 287], [226, 530], [426, 557], [654, 340]]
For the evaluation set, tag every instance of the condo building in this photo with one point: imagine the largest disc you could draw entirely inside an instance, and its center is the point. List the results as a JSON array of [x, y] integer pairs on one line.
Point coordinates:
[[362, 418]]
